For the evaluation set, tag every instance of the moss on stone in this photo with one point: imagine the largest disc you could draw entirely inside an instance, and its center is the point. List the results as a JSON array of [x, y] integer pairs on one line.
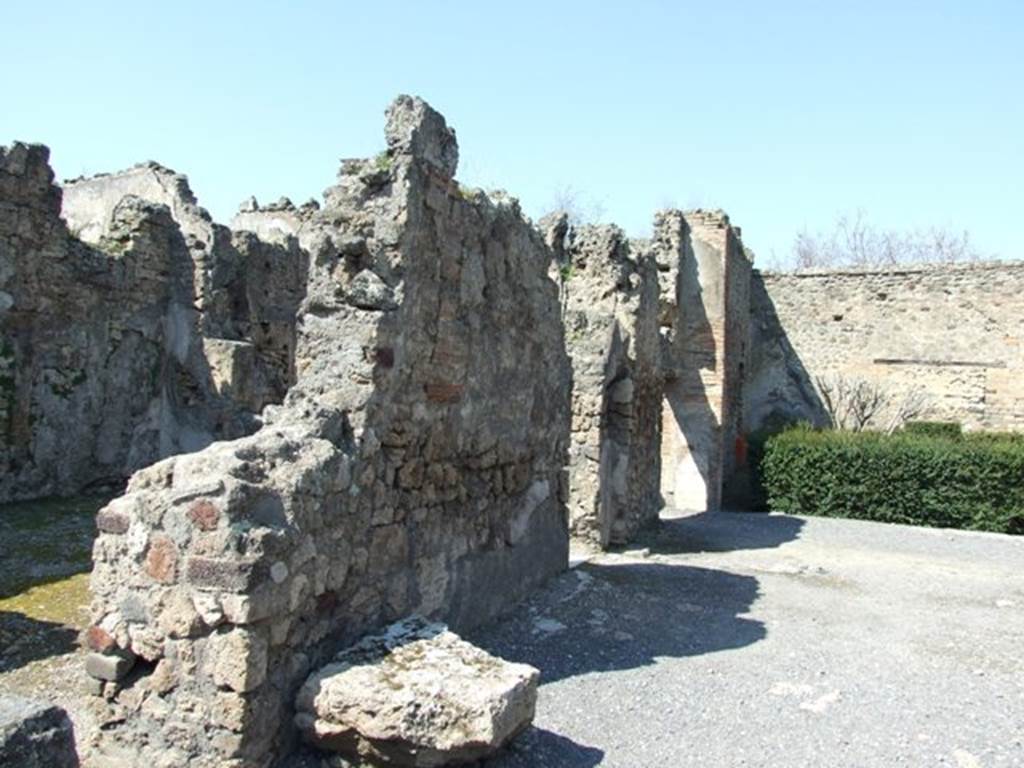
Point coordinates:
[[63, 601]]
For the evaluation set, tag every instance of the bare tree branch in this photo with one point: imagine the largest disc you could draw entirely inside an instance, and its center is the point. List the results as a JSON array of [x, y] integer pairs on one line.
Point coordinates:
[[856, 404], [853, 242]]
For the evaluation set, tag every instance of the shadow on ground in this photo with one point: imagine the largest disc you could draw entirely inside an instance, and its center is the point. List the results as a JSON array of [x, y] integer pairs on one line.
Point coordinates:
[[611, 616], [622, 612], [538, 748], [45, 540], [24, 640], [45, 556], [719, 532]]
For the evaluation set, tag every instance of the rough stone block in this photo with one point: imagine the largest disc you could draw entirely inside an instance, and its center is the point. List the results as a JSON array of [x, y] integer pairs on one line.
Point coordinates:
[[238, 659], [238, 575], [35, 735], [416, 695], [108, 521], [109, 666], [414, 128]]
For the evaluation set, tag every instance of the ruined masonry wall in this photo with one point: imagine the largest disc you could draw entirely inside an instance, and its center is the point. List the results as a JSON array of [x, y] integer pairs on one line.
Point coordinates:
[[703, 352], [610, 311], [101, 365], [738, 271], [416, 467], [247, 288], [953, 331]]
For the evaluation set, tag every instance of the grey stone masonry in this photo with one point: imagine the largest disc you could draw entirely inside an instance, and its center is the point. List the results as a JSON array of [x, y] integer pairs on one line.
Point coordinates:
[[417, 466], [610, 312], [102, 366], [952, 333]]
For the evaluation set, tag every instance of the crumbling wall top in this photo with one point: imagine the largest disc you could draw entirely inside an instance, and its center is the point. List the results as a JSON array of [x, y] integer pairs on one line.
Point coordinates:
[[26, 178], [415, 129], [88, 202]]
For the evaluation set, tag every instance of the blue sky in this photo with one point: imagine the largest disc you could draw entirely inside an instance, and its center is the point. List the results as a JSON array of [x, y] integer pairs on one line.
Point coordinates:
[[785, 114]]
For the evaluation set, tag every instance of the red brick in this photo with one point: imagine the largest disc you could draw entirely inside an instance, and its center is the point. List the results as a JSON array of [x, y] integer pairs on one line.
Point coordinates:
[[162, 559], [99, 640], [443, 392], [204, 514]]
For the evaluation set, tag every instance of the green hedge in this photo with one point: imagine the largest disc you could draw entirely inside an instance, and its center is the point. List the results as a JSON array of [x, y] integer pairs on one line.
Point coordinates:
[[975, 481], [950, 429]]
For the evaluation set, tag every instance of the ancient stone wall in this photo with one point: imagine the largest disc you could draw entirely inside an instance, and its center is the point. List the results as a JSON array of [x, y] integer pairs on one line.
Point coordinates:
[[247, 289], [416, 466], [738, 271], [705, 274], [610, 311], [101, 363], [953, 332]]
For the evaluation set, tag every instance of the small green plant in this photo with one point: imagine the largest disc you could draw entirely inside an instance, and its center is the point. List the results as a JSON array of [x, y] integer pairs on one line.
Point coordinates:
[[383, 161], [466, 193], [6, 386], [65, 386], [6, 371], [566, 272]]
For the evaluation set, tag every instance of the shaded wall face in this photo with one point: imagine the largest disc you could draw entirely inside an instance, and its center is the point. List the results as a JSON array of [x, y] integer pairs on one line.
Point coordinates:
[[101, 365], [737, 349], [705, 353], [951, 333], [417, 466], [610, 310], [246, 289]]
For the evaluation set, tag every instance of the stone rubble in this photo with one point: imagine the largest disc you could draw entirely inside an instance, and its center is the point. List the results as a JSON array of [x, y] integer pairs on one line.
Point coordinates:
[[416, 695], [35, 735]]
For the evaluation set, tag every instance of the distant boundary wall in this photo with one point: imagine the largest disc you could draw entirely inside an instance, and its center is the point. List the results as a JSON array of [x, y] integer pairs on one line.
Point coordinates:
[[951, 331]]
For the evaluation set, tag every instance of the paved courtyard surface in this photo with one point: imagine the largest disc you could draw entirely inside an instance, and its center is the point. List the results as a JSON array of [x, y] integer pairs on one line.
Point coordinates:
[[757, 640]]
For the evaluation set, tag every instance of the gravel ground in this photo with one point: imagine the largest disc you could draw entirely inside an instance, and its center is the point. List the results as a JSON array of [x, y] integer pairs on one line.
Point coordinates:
[[717, 640], [767, 640]]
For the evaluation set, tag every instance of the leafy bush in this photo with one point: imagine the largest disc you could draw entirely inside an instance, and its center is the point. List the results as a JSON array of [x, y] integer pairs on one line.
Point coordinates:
[[974, 482], [950, 429]]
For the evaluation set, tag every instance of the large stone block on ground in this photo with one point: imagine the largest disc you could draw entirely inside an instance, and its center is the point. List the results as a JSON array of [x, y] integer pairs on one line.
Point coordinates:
[[416, 695], [35, 735]]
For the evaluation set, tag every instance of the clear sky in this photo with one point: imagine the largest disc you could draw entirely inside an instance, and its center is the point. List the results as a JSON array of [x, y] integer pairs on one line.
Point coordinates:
[[785, 113]]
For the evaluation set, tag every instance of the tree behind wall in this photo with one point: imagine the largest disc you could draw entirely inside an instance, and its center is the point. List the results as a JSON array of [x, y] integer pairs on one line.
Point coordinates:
[[855, 242], [854, 404]]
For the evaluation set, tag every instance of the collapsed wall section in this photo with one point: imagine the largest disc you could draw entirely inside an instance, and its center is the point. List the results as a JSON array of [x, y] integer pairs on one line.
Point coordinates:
[[416, 466], [610, 312], [246, 288], [950, 336], [101, 362]]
